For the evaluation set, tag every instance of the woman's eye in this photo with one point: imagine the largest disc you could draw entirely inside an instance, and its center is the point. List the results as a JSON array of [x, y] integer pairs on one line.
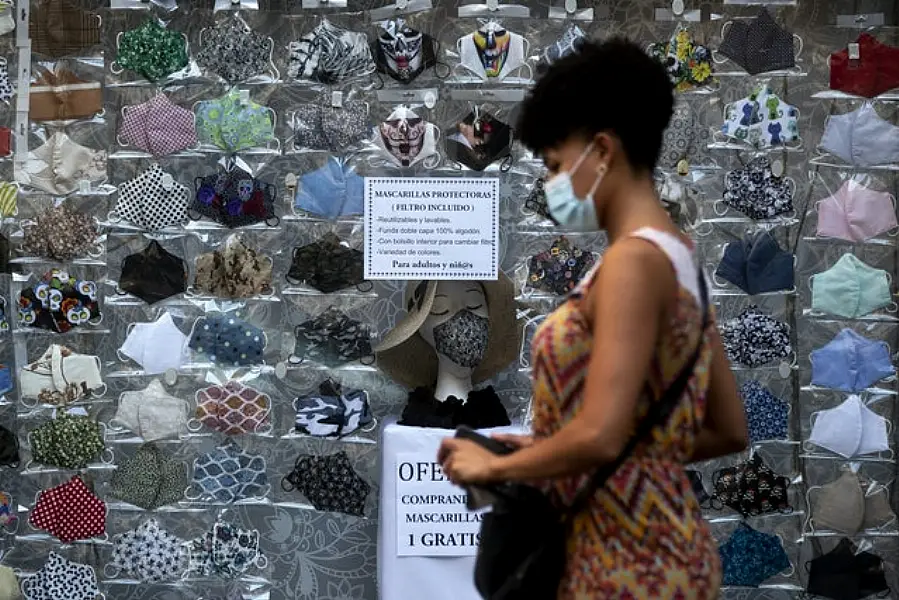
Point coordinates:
[[438, 314], [475, 307]]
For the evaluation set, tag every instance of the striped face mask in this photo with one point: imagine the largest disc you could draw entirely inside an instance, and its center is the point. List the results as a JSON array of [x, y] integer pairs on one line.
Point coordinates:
[[330, 54], [9, 192]]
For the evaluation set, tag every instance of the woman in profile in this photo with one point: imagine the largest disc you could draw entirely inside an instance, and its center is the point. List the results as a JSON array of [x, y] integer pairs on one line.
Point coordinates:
[[618, 341]]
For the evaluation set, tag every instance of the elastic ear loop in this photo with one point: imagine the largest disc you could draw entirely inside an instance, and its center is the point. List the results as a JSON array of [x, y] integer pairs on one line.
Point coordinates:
[[808, 445], [716, 56], [792, 570], [293, 358], [194, 424], [114, 66]]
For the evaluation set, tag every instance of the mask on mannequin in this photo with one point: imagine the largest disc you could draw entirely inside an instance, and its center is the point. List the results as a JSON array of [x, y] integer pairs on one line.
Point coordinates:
[[565, 206], [458, 329]]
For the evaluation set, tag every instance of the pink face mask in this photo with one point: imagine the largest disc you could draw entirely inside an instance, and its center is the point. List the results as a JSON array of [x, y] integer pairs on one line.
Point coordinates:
[[856, 213], [158, 126]]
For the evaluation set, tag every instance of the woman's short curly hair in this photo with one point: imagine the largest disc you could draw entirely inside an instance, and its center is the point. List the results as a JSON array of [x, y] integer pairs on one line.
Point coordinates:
[[606, 86]]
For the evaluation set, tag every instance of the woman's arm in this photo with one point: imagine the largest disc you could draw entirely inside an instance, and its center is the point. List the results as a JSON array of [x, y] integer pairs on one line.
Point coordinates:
[[724, 428], [631, 293]]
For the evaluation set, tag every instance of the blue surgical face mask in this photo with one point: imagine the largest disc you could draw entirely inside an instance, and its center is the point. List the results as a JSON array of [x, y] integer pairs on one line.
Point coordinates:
[[332, 191], [565, 207], [850, 362], [757, 265]]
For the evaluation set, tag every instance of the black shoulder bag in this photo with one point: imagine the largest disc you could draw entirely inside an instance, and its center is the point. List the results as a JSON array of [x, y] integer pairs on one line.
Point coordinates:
[[522, 549]]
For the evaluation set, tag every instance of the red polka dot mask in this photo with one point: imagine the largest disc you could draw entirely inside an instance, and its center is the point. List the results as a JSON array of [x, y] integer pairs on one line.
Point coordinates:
[[70, 512]]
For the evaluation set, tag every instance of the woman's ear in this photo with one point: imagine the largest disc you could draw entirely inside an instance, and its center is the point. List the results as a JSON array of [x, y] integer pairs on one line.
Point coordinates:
[[605, 147]]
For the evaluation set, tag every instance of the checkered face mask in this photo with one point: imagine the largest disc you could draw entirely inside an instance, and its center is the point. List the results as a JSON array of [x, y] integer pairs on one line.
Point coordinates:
[[157, 126]]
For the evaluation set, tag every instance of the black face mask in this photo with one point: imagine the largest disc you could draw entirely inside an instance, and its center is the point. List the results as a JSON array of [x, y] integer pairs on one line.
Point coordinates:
[[699, 490], [842, 574], [404, 53], [328, 266], [153, 274], [4, 255], [480, 140], [9, 448]]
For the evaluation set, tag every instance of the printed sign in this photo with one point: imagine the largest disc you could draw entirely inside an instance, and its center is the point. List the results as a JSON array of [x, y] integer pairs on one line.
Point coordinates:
[[431, 228], [431, 518]]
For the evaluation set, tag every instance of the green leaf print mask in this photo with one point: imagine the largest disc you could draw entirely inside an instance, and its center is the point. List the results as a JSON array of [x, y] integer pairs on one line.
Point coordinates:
[[151, 50], [233, 124]]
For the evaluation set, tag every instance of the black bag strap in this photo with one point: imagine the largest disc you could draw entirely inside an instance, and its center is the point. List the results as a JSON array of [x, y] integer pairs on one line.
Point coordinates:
[[657, 414]]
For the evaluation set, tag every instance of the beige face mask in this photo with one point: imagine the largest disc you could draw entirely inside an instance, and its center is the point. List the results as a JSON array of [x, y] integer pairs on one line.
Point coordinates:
[[235, 271], [847, 506], [60, 165], [9, 584], [61, 376]]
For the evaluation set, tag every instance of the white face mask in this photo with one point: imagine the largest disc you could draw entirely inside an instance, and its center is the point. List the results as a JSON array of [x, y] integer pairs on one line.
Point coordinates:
[[61, 376], [851, 429], [151, 413], [862, 138], [565, 207], [157, 346]]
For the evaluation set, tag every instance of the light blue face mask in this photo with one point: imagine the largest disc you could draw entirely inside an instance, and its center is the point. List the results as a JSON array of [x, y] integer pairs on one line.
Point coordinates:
[[330, 192], [850, 288], [850, 362], [578, 214]]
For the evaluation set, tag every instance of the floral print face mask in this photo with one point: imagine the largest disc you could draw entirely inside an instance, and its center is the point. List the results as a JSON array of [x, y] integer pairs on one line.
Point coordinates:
[[234, 198], [151, 50], [235, 52], [232, 409], [69, 512], [225, 551], [149, 479], [59, 302], [756, 192], [228, 341], [235, 271], [149, 553], [68, 442], [332, 338], [559, 269], [328, 265], [755, 339], [329, 482], [61, 579], [232, 124], [61, 233], [689, 64]]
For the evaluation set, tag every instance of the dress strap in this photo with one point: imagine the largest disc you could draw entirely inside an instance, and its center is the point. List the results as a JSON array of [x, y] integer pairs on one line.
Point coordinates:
[[682, 257]]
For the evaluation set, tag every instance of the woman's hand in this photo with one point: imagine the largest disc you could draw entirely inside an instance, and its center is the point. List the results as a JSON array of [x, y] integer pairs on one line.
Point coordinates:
[[466, 462]]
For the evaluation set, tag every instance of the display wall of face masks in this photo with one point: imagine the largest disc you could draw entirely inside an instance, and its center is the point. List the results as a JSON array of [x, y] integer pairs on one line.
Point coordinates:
[[185, 282]]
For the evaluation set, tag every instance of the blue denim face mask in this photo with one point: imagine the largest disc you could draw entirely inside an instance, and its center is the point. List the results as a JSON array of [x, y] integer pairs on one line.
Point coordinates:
[[228, 340], [330, 192], [766, 414], [228, 474], [5, 379], [850, 362], [749, 557], [757, 265]]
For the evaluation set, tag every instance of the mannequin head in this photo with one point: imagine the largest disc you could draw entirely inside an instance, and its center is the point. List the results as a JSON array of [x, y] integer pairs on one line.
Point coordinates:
[[457, 328]]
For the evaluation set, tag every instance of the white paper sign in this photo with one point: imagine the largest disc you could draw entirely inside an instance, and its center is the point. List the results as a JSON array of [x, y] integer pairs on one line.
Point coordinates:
[[431, 518], [431, 228]]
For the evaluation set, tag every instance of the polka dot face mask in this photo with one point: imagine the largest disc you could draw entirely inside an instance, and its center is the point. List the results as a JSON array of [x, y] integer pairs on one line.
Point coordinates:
[[329, 483], [331, 339], [148, 553], [59, 302], [225, 551], [69, 512], [766, 414], [67, 442], [232, 409], [149, 479], [759, 46], [234, 198], [152, 201], [234, 52], [228, 341], [151, 50], [61, 579]]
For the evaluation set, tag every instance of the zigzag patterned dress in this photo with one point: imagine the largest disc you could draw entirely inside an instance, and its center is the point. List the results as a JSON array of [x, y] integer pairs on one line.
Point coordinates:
[[643, 536]]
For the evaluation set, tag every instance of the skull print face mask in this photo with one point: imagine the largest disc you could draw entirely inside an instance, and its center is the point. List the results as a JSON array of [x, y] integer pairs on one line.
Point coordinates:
[[153, 200], [569, 42], [61, 579], [235, 271], [479, 140], [330, 54], [68, 442], [332, 191], [151, 413], [328, 265], [329, 483], [228, 341], [751, 488], [149, 479], [59, 302], [233, 124], [157, 126], [151, 50], [156, 347], [225, 551], [61, 233], [689, 64], [762, 120], [403, 52], [59, 165], [326, 127], [69, 512], [332, 339], [493, 52], [228, 474], [332, 411], [235, 52], [232, 409], [756, 192], [61, 376], [559, 269], [234, 198], [408, 139], [149, 553], [153, 274]]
